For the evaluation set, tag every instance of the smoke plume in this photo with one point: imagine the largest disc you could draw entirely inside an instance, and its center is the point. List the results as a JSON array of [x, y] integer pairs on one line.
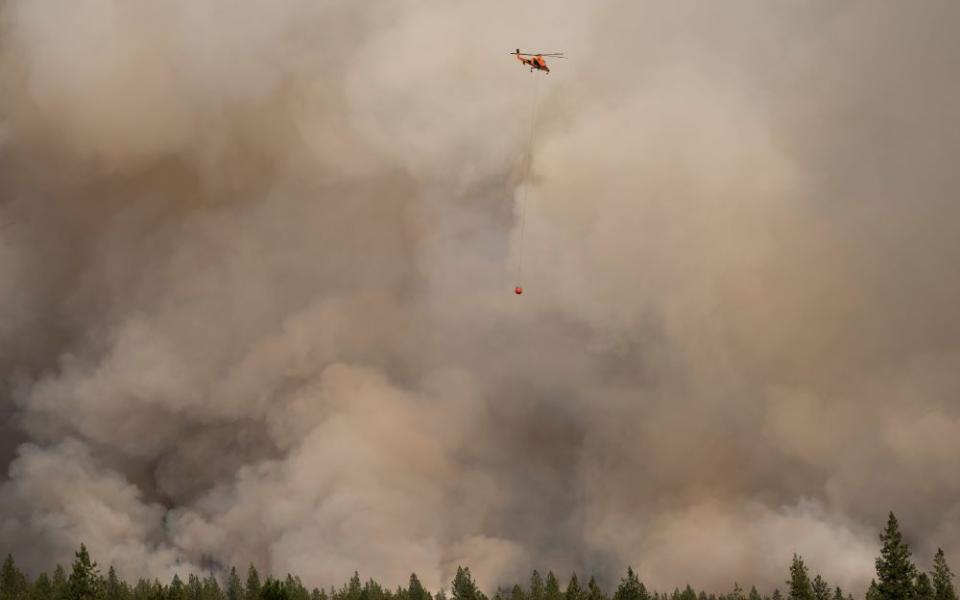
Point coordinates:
[[257, 262]]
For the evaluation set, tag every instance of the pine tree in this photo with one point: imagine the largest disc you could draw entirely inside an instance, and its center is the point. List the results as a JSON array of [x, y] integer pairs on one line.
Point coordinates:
[[574, 591], [273, 589], [821, 591], [252, 589], [318, 594], [688, 593], [84, 582], [838, 593], [517, 593], [593, 590], [194, 589], [157, 591], [58, 583], [211, 589], [942, 578], [42, 589], [551, 589], [776, 594], [373, 591], [799, 582], [13, 585], [922, 590], [295, 589], [415, 589], [536, 586], [114, 588], [441, 595], [873, 592], [630, 588], [176, 591], [895, 571], [754, 594], [234, 587], [352, 591], [737, 593], [142, 591], [463, 586]]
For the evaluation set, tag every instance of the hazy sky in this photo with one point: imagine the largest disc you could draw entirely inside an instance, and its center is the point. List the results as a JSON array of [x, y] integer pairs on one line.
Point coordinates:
[[257, 265]]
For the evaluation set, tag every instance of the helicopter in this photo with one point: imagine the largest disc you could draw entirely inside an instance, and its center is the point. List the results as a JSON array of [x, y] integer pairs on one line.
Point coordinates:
[[536, 61]]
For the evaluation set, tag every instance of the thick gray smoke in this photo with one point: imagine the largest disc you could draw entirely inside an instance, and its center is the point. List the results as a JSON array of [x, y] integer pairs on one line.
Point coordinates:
[[257, 262]]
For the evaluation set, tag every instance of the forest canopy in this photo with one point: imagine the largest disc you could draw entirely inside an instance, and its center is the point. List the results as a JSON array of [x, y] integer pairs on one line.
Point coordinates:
[[897, 578]]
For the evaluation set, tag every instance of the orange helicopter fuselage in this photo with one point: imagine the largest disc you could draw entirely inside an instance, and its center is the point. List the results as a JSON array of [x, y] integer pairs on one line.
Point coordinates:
[[535, 62]]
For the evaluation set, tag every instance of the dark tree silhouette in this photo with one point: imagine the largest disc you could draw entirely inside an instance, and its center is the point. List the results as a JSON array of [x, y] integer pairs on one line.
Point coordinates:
[[942, 578]]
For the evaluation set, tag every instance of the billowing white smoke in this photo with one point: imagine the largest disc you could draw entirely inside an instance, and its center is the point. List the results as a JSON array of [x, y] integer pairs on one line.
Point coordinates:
[[257, 287]]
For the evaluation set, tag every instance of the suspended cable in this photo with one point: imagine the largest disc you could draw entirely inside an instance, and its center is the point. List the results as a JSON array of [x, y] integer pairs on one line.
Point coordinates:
[[526, 185]]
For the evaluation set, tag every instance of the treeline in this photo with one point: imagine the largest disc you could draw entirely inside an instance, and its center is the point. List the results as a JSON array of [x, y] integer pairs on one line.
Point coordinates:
[[897, 578]]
